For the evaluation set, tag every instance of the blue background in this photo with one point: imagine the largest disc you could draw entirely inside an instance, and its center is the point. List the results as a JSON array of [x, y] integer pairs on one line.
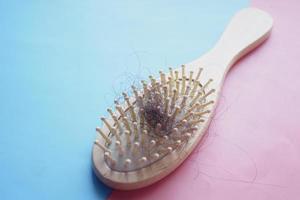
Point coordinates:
[[61, 65]]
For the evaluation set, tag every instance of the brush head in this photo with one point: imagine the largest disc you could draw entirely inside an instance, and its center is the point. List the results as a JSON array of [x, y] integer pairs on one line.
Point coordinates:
[[156, 121]]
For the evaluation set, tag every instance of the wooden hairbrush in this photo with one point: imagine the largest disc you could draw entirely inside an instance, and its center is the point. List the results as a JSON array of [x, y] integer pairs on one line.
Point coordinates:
[[154, 130]]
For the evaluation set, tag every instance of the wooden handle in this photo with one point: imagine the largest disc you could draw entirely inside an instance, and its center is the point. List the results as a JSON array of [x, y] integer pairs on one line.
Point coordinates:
[[247, 30]]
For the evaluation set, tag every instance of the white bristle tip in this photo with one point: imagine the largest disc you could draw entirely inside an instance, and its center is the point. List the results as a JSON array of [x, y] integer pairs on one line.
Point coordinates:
[[175, 130], [127, 162], [152, 142], [143, 159], [156, 155]]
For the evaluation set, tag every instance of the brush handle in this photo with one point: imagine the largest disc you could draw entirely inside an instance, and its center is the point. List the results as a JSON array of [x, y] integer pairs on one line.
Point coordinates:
[[247, 30]]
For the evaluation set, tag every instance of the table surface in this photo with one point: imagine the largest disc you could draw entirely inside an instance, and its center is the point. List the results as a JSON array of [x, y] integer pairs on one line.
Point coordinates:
[[64, 62]]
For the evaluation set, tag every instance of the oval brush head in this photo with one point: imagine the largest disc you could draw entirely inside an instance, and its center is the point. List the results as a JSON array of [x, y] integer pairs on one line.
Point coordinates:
[[153, 131], [159, 120]]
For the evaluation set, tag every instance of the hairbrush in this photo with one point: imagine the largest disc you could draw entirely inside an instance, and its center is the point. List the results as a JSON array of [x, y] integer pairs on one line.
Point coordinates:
[[158, 125]]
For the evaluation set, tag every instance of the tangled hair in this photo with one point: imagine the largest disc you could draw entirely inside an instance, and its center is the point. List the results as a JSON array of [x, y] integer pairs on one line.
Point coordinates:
[[160, 120]]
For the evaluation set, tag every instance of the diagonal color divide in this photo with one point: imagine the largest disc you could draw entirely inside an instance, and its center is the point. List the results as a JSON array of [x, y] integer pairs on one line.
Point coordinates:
[[253, 144]]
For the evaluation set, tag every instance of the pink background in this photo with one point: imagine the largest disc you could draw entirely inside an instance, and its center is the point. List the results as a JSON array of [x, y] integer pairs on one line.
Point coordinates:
[[252, 147]]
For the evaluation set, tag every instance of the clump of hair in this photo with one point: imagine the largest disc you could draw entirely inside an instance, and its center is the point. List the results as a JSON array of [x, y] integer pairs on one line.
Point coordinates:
[[169, 106]]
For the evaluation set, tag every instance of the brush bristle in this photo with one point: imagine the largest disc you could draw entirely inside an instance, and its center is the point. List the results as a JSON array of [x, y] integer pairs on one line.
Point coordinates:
[[156, 121]]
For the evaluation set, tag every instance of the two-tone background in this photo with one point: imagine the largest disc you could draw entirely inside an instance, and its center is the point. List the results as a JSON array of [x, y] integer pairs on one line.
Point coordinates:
[[62, 63]]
